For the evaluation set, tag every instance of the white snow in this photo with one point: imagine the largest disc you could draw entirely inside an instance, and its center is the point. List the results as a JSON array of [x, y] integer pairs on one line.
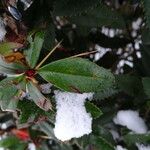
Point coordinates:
[[4, 126], [2, 30], [131, 120], [136, 24], [31, 146], [114, 134], [46, 88], [143, 147], [119, 147], [72, 120]]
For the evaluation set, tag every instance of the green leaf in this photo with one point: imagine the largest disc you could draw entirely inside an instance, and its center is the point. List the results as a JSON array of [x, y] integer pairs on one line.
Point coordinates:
[[47, 129], [8, 95], [37, 97], [100, 139], [146, 85], [30, 111], [93, 109], [137, 138], [12, 143], [102, 144], [77, 75], [98, 17], [32, 54], [73, 7], [97, 142], [103, 132]]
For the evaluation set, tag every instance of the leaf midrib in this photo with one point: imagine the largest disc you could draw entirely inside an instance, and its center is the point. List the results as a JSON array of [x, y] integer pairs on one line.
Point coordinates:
[[86, 76]]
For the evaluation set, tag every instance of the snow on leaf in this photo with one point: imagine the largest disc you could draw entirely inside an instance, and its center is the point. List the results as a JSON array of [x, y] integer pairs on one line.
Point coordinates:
[[72, 120], [131, 120]]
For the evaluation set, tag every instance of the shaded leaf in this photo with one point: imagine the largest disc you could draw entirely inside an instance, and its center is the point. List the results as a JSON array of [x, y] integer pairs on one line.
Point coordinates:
[[103, 144], [146, 85], [146, 5], [103, 132], [105, 93], [129, 84], [145, 58], [137, 138], [73, 7], [97, 142], [47, 129], [98, 17], [49, 39], [146, 36], [30, 111], [8, 95]]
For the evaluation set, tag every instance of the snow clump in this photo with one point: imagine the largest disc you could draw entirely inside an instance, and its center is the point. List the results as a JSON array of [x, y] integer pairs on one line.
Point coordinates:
[[131, 120], [72, 120]]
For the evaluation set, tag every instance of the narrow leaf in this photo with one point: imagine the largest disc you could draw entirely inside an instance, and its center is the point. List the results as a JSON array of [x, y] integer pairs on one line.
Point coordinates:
[[137, 138], [93, 109], [37, 97], [99, 143], [32, 54], [8, 95], [73, 7]]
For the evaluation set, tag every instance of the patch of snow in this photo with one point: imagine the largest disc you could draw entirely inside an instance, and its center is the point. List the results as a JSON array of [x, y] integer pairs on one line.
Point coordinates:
[[114, 134], [2, 30], [25, 95], [31, 146], [119, 147], [46, 88], [143, 147], [136, 24], [100, 52], [131, 120], [72, 120], [111, 33], [4, 126]]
